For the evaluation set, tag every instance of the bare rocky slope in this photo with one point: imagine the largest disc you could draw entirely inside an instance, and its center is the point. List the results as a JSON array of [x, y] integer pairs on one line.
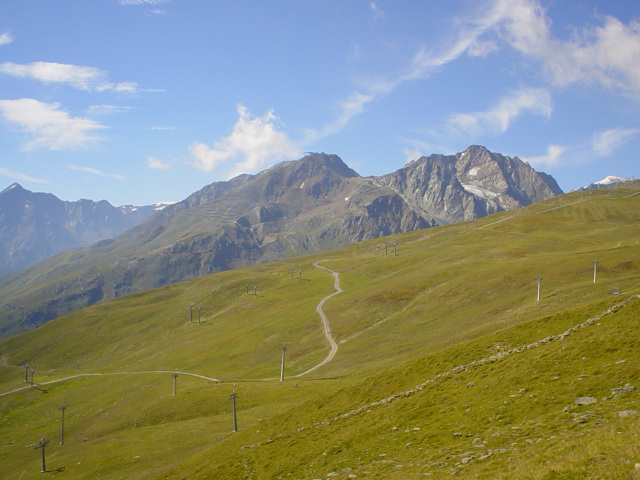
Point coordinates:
[[309, 205]]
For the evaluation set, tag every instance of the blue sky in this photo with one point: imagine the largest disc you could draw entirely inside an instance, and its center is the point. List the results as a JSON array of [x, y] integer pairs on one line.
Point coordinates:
[[139, 101]]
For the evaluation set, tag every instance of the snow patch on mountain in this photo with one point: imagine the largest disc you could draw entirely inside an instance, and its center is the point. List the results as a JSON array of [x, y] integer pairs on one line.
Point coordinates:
[[612, 180], [162, 205], [607, 182], [480, 192]]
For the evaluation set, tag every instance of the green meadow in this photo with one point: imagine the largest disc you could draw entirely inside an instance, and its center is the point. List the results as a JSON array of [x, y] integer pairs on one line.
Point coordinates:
[[448, 364]]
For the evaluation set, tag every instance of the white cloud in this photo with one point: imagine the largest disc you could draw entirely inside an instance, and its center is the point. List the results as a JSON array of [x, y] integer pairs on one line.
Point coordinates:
[[608, 54], [20, 176], [601, 144], [82, 78], [6, 38], [93, 171], [157, 164], [48, 126], [482, 48], [161, 128], [422, 65], [551, 159], [255, 139], [411, 154], [349, 108], [605, 143], [498, 119]]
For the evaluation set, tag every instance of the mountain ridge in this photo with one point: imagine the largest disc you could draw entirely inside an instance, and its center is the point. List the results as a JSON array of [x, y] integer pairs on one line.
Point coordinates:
[[313, 204], [448, 364], [609, 181], [35, 226]]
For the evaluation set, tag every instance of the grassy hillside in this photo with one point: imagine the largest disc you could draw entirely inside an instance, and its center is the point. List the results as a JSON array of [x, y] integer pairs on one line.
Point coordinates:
[[440, 368]]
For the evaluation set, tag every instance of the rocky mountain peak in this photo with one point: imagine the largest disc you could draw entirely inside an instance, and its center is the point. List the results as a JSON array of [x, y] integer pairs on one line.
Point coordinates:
[[470, 184], [316, 175], [14, 186], [308, 205], [475, 151], [314, 165], [331, 163]]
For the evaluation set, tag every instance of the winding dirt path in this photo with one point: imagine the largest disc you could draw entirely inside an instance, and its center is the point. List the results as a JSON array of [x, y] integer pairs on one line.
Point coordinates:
[[325, 325], [325, 322]]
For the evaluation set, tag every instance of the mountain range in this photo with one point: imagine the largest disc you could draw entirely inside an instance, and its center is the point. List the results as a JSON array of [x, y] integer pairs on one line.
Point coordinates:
[[313, 204], [36, 226], [482, 350]]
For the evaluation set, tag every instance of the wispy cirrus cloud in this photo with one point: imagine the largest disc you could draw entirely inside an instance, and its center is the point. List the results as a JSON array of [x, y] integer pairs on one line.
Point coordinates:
[[21, 176], [376, 11], [49, 127], [607, 54], [80, 77], [108, 109], [498, 119], [348, 109], [6, 38], [601, 144], [422, 65], [253, 142], [94, 171], [411, 154], [605, 143], [550, 159]]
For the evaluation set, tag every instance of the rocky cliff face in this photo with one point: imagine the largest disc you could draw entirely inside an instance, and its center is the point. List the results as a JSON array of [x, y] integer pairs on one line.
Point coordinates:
[[469, 185], [313, 204], [35, 226]]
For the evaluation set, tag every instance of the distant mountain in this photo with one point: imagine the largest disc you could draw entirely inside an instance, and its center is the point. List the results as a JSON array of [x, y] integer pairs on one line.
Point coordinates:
[[36, 226], [309, 205], [607, 182]]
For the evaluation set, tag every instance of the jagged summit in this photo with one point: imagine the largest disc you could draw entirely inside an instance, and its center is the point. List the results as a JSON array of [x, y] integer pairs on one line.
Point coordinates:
[[14, 186], [35, 225], [475, 151], [469, 184]]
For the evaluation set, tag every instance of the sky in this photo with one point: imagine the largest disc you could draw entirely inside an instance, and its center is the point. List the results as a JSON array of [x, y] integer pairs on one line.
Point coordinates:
[[142, 101]]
